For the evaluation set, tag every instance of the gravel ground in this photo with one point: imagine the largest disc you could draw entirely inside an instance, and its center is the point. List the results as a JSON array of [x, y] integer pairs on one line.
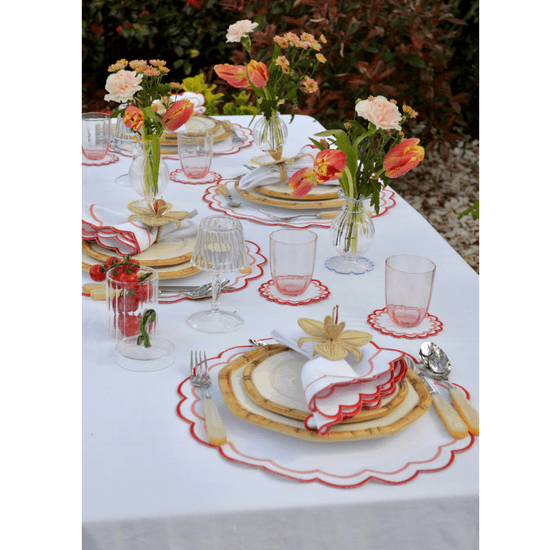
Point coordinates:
[[440, 191]]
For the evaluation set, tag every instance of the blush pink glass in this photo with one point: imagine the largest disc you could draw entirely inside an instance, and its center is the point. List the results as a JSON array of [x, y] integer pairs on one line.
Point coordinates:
[[195, 150], [409, 284], [292, 260], [96, 135]]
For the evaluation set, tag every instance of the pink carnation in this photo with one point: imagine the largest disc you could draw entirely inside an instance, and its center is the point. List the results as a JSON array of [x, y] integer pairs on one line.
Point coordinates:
[[381, 112], [122, 86], [240, 29]]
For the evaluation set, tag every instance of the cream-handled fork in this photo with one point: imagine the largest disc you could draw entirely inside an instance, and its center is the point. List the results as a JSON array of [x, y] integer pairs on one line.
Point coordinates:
[[200, 377]]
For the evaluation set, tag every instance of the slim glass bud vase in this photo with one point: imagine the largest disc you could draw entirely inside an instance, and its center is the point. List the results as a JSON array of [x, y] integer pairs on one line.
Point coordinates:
[[352, 233], [141, 170], [270, 136]]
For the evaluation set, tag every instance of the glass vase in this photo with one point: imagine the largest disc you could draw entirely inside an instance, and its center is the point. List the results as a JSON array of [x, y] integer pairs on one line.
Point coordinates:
[[140, 174], [352, 233], [270, 135]]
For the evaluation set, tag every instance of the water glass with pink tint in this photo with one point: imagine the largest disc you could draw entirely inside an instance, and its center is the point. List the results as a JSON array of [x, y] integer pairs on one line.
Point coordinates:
[[96, 135], [409, 285], [292, 259], [195, 150]]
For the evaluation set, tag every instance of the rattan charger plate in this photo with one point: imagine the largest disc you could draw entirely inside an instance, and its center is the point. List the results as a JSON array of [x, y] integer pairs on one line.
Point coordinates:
[[296, 204], [414, 405], [161, 254], [170, 272], [283, 191], [276, 386]]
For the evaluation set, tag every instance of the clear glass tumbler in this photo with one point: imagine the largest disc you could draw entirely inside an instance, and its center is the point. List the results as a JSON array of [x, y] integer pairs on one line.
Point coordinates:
[[195, 149], [292, 259], [96, 135], [127, 301], [409, 285]]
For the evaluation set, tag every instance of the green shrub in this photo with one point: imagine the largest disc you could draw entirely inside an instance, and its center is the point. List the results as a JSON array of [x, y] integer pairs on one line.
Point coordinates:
[[190, 40], [394, 48]]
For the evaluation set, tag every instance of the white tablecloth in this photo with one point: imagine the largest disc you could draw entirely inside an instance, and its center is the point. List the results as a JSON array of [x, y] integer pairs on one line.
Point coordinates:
[[147, 484]]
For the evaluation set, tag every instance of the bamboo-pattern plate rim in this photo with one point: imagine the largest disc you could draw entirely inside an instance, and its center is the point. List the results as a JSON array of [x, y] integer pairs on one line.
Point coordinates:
[[104, 256], [224, 379], [327, 195], [253, 196], [366, 414]]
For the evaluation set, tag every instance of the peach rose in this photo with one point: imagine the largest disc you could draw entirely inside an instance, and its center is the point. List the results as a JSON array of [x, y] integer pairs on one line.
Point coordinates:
[[381, 112], [122, 86], [240, 29]]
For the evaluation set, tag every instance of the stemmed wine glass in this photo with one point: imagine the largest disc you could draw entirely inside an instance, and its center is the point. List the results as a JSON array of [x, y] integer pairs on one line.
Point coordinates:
[[220, 248]]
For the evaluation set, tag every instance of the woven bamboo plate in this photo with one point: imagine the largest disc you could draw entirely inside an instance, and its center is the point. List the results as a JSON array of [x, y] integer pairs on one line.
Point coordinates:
[[284, 387], [171, 272], [283, 191], [254, 196], [415, 404], [221, 129], [161, 254]]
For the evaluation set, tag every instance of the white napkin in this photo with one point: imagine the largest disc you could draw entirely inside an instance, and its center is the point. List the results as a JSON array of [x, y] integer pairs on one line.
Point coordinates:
[[112, 230], [266, 175], [337, 390]]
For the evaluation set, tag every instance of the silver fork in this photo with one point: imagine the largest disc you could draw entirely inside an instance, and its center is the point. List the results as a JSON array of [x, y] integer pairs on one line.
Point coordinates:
[[318, 216], [200, 377]]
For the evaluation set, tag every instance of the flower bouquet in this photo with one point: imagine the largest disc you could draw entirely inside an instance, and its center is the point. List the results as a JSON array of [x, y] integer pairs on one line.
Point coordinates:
[[146, 98], [362, 159], [293, 62], [374, 154]]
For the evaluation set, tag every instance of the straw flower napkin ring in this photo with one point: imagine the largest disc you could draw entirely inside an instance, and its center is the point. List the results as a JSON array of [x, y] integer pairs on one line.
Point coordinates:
[[334, 343], [156, 214]]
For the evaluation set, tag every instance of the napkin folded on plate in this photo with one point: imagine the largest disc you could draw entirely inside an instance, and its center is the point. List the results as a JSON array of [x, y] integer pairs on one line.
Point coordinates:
[[338, 390], [112, 230], [266, 175]]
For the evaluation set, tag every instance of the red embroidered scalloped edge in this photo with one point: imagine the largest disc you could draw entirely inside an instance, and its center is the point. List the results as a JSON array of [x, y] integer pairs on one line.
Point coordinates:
[[324, 293], [437, 326], [112, 159], [192, 424]]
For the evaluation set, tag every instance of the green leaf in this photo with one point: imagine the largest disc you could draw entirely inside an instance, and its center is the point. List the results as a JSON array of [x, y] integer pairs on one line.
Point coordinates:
[[414, 61]]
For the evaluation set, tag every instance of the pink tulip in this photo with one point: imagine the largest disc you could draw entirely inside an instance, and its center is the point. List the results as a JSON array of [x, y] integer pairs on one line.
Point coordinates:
[[403, 157], [235, 75], [330, 164], [257, 73], [177, 114], [133, 118]]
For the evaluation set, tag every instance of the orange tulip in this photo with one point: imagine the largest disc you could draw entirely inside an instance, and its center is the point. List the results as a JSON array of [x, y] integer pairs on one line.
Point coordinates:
[[235, 75], [177, 114], [302, 182], [403, 157], [330, 164], [133, 118], [257, 73]]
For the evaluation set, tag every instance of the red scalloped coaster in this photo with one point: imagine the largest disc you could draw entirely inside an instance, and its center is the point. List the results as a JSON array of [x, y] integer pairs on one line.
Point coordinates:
[[109, 158], [179, 177], [315, 292], [380, 320]]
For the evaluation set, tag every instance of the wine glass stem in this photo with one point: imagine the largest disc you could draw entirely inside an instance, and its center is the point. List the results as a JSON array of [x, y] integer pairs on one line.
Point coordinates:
[[216, 284]]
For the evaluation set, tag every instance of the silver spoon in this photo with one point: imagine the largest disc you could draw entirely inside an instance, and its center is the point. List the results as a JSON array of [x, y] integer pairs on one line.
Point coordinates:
[[437, 365]]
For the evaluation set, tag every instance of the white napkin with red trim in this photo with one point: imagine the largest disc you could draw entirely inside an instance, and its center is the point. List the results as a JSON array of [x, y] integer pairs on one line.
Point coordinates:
[[338, 390], [266, 175], [111, 229]]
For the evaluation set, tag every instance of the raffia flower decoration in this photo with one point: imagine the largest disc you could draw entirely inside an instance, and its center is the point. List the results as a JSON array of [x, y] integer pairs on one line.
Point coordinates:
[[334, 342], [156, 213]]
